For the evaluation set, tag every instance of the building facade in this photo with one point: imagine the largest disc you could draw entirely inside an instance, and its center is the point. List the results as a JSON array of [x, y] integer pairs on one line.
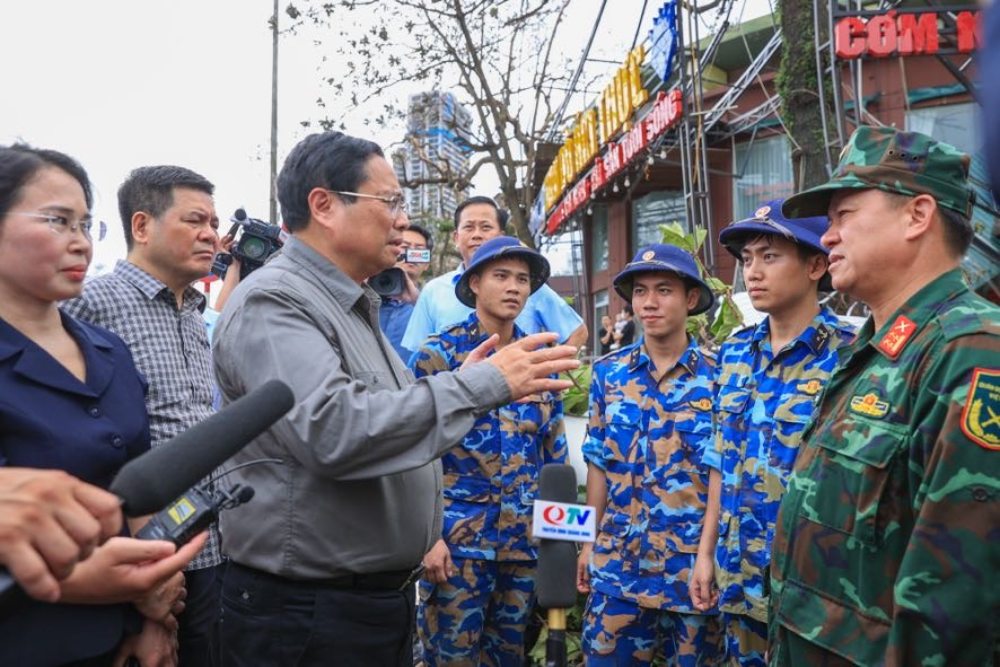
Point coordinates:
[[434, 155], [636, 180]]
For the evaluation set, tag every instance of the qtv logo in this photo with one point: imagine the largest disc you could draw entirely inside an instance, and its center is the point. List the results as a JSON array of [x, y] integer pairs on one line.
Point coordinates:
[[563, 521]]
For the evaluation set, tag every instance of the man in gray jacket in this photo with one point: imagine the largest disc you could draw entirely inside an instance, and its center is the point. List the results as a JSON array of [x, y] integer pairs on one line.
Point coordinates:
[[324, 557]]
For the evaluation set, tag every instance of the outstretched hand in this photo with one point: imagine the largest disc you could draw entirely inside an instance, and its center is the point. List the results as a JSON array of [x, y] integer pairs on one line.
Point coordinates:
[[529, 364]]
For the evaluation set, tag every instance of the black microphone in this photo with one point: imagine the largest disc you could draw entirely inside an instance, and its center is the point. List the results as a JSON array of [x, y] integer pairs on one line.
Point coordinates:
[[555, 582], [150, 482]]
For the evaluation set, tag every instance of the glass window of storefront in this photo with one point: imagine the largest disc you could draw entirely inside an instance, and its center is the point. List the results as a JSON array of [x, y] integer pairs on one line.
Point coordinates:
[[958, 124], [599, 238], [653, 210], [564, 252], [764, 172]]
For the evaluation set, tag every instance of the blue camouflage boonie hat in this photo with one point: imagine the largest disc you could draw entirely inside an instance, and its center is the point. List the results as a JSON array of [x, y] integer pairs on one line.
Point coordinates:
[[664, 257], [769, 219], [502, 247]]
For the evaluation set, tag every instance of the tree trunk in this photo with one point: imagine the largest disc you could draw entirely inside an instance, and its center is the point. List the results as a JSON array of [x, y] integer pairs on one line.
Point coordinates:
[[798, 88]]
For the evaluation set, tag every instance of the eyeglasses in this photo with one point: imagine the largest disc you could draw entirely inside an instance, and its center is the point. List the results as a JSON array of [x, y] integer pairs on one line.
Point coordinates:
[[396, 203], [60, 224]]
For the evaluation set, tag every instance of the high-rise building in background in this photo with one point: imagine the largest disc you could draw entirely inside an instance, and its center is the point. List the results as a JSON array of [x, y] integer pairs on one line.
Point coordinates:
[[438, 128]]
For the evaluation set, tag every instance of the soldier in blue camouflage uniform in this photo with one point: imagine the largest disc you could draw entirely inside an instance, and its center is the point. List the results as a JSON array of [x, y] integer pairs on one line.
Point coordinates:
[[650, 423], [769, 377], [479, 588], [887, 544]]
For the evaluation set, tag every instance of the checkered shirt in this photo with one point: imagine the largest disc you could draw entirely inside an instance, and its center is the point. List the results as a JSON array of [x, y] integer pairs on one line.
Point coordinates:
[[170, 347]]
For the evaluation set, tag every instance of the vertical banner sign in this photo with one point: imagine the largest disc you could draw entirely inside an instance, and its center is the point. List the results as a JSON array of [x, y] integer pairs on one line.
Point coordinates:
[[663, 40]]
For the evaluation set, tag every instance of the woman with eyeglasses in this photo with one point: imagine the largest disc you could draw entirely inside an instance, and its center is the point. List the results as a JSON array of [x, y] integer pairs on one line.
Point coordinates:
[[71, 399]]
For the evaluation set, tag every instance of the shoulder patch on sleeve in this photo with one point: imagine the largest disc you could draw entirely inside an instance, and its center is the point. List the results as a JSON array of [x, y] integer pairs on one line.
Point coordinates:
[[981, 414]]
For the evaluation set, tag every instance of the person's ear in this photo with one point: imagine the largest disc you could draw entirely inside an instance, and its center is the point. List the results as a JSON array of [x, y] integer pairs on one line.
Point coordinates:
[[324, 206], [142, 223], [921, 210], [693, 295], [474, 283], [816, 266]]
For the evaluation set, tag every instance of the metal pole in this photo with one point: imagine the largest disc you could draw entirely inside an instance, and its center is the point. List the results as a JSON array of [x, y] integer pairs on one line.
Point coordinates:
[[273, 211]]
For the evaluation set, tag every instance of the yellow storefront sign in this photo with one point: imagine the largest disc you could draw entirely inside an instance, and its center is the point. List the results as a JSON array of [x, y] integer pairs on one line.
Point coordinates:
[[597, 125]]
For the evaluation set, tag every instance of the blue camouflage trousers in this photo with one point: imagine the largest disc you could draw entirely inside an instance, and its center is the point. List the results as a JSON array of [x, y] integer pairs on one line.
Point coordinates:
[[619, 632], [746, 640], [479, 615]]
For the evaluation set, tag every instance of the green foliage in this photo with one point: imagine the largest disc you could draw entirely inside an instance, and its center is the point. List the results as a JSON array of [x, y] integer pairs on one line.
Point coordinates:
[[575, 398], [727, 316], [574, 630]]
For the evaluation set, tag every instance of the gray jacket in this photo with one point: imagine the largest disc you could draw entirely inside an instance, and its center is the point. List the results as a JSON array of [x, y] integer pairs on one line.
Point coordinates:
[[359, 487]]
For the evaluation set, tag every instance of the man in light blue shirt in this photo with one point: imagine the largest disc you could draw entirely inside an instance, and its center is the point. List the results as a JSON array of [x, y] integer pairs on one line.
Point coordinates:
[[477, 220]]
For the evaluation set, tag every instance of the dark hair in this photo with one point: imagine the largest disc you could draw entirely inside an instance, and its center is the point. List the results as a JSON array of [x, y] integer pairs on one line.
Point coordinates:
[[958, 230], [628, 310], [428, 239], [20, 162], [151, 190], [330, 160], [502, 215]]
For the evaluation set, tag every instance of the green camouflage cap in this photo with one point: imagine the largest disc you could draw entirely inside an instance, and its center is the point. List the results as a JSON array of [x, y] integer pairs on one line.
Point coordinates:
[[908, 163]]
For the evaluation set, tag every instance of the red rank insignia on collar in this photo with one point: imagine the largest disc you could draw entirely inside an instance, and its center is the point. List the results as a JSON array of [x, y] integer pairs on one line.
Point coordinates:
[[897, 336]]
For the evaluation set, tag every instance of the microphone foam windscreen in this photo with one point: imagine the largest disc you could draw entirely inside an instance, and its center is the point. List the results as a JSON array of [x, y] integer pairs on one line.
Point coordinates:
[[153, 480], [556, 578]]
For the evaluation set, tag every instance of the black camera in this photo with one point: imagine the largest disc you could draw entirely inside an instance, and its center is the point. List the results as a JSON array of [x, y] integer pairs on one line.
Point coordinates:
[[392, 282], [255, 245]]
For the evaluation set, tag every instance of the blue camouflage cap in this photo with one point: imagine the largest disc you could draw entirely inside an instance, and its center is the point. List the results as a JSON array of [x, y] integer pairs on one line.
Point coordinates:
[[769, 219], [664, 257], [502, 247]]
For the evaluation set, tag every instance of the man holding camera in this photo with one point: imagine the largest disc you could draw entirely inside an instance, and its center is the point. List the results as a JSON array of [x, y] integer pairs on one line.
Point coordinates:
[[326, 570], [396, 308], [171, 230]]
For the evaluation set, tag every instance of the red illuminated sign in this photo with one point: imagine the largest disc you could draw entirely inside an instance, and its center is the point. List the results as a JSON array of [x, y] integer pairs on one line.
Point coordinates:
[[664, 114], [904, 34]]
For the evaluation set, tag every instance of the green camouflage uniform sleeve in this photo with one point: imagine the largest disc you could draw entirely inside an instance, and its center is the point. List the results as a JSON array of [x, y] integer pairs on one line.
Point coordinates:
[[946, 599]]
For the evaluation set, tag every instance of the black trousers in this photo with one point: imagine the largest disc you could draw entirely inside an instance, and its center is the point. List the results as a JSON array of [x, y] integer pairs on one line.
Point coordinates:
[[272, 621], [198, 634]]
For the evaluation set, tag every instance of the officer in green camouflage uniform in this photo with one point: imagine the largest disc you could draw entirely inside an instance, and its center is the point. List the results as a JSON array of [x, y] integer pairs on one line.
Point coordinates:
[[888, 538]]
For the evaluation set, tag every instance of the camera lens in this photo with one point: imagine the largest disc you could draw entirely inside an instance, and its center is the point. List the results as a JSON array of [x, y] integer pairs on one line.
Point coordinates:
[[388, 283], [253, 247]]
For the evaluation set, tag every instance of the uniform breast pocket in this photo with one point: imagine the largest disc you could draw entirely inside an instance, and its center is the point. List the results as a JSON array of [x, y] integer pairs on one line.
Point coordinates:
[[534, 413], [731, 404], [791, 418], [622, 429], [854, 477], [695, 432], [466, 501]]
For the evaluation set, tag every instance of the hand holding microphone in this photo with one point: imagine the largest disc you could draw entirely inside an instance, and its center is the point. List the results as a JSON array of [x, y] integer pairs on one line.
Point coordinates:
[[143, 486]]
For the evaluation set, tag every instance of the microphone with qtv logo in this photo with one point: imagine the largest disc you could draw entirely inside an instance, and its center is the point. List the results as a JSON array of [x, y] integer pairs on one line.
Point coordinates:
[[558, 522]]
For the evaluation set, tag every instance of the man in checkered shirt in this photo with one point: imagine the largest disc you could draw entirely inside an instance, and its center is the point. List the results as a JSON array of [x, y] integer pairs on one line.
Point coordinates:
[[171, 229]]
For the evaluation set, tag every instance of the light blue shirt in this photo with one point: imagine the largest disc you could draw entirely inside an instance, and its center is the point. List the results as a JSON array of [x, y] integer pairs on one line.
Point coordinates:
[[438, 307]]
